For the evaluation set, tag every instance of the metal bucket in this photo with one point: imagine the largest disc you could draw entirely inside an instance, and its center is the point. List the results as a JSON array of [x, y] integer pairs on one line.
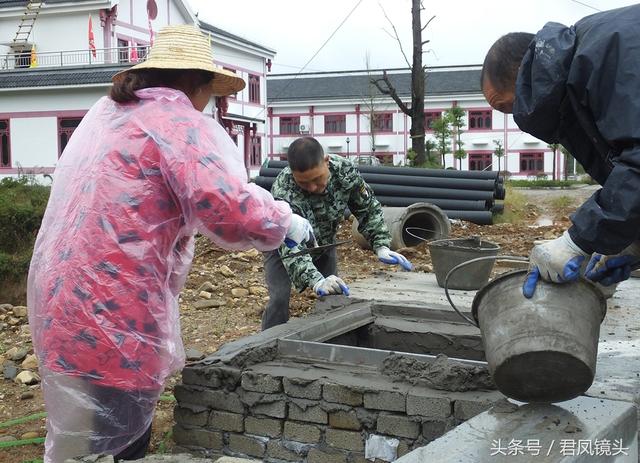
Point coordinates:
[[542, 349], [447, 254]]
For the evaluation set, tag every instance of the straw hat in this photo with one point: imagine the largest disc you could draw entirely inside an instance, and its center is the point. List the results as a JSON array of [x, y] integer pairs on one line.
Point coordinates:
[[185, 47]]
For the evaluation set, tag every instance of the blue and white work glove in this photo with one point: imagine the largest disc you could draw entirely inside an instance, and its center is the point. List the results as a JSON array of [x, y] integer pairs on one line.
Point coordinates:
[[300, 231], [331, 285], [608, 270], [387, 256], [557, 261]]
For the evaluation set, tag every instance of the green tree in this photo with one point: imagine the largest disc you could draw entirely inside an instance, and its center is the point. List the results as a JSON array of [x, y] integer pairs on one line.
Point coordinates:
[[456, 118], [442, 133], [499, 153], [429, 147]]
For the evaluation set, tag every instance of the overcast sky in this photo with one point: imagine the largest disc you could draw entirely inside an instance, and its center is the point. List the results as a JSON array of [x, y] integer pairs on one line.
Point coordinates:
[[461, 32]]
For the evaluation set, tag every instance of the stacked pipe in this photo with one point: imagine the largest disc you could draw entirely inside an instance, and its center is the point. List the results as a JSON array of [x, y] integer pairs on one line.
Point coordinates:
[[464, 195]]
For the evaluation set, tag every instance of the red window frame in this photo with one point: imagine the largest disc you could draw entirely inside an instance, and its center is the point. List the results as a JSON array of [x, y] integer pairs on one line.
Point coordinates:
[[255, 151], [5, 143], [532, 163], [382, 122], [429, 117], [335, 123], [254, 88], [290, 125], [66, 127], [234, 95], [481, 119], [481, 161]]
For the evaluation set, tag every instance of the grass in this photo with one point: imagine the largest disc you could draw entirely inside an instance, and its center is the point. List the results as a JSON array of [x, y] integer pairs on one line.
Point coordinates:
[[514, 207], [543, 183], [561, 202]]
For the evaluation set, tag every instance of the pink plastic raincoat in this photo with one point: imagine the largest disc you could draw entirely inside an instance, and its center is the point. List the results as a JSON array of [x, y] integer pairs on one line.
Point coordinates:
[[132, 187]]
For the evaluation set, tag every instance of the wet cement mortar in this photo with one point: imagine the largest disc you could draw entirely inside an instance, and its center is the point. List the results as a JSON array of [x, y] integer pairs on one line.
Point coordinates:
[[442, 374]]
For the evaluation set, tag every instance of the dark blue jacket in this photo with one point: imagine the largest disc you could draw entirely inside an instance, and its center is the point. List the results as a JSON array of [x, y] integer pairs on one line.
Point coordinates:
[[580, 86]]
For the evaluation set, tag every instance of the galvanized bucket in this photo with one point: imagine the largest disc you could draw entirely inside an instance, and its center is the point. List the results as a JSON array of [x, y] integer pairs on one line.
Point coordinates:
[[542, 349], [448, 253]]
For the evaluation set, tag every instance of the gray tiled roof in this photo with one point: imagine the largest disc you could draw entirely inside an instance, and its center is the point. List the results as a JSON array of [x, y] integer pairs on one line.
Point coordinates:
[[217, 30], [19, 3], [349, 86], [50, 77]]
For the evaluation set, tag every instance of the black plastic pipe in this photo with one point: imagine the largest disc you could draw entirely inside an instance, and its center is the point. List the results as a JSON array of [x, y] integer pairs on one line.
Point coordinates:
[[431, 182], [414, 171], [451, 204]]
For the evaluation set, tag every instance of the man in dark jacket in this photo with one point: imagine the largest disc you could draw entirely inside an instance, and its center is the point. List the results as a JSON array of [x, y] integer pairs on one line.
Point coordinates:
[[580, 86]]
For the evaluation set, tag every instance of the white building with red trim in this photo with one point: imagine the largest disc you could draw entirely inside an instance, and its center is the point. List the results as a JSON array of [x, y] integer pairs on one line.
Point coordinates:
[[338, 109], [50, 76]]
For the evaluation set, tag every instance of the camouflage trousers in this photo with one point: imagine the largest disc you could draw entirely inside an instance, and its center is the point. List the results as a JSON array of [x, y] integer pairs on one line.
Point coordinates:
[[279, 284]]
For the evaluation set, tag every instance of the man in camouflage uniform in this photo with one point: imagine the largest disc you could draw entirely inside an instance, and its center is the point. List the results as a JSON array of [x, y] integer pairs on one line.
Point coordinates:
[[320, 187]]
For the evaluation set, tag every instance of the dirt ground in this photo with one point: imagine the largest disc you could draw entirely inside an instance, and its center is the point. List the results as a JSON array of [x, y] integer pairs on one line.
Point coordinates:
[[235, 284]]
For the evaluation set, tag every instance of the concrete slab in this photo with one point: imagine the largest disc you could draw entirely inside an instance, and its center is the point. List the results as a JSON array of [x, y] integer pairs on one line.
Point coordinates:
[[618, 367], [583, 429]]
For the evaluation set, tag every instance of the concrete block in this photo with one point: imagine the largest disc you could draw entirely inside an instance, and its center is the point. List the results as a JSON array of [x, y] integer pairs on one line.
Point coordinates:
[[235, 460], [225, 421], [281, 451], [246, 445], [398, 425], [189, 418], [559, 429], [428, 406], [340, 394], [367, 418], [200, 377], [433, 429], [348, 440], [304, 410], [219, 400], [345, 420], [272, 409], [385, 400], [258, 382], [403, 448], [197, 437], [302, 388], [466, 409], [263, 426], [326, 456], [300, 432]]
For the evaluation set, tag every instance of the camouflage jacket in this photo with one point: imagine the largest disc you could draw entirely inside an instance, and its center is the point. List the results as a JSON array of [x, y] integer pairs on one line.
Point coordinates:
[[346, 188]]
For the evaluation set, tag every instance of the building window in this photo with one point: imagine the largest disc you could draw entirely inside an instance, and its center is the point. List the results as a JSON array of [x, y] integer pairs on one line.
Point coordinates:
[[143, 49], [66, 127], [22, 57], [123, 51], [289, 125], [254, 89], [256, 151], [335, 124], [5, 145], [382, 122], [234, 95], [429, 117], [532, 163], [480, 161], [480, 120]]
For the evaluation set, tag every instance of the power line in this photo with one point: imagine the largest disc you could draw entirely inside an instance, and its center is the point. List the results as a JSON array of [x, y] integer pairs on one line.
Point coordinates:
[[585, 4], [316, 53]]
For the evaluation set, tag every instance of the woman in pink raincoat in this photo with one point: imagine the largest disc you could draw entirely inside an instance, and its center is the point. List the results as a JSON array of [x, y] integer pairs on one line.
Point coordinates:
[[142, 173]]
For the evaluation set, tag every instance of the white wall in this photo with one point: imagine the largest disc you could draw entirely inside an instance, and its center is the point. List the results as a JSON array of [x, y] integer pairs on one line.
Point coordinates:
[[34, 142]]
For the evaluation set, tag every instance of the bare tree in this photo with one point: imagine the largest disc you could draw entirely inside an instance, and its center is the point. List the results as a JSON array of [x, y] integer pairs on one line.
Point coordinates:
[[370, 102], [499, 152], [416, 110], [554, 147]]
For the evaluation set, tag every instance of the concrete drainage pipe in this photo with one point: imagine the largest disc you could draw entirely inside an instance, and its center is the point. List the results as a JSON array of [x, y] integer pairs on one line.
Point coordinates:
[[431, 219]]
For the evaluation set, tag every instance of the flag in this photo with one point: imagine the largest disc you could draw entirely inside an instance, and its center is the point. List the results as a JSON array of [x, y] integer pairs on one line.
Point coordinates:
[[92, 43], [34, 57], [133, 56]]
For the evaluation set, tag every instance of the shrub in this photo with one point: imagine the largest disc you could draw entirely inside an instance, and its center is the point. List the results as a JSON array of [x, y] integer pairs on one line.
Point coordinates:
[[22, 206]]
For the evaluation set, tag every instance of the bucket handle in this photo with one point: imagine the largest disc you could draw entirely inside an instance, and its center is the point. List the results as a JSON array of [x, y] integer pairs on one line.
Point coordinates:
[[464, 264]]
